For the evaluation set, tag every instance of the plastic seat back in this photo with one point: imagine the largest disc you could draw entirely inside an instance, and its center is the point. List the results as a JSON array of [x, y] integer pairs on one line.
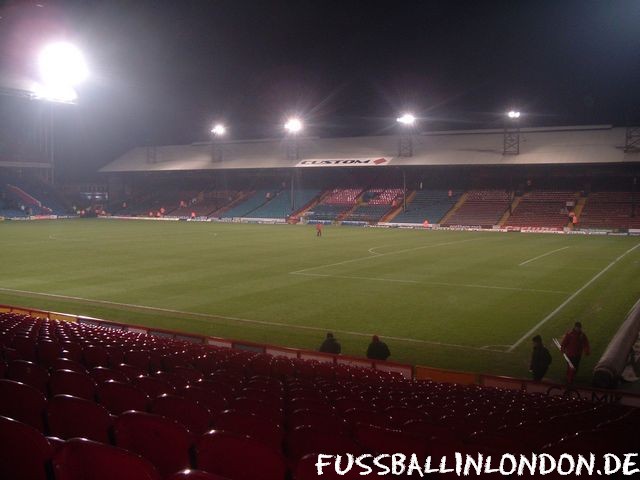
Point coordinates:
[[195, 417], [162, 441], [70, 417], [260, 429], [227, 454], [68, 382], [118, 397], [25, 452], [29, 373], [80, 459], [22, 402]]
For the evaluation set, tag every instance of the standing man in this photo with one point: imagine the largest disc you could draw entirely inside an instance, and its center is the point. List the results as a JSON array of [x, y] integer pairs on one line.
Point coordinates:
[[574, 344], [318, 229], [378, 350], [330, 345], [540, 359]]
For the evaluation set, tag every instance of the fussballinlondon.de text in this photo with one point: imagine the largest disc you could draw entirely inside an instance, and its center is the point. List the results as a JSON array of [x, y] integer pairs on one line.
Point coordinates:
[[465, 465]]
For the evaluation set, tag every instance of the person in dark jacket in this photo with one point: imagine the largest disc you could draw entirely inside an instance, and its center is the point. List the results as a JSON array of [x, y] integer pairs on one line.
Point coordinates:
[[330, 345], [574, 344], [378, 350], [540, 359]]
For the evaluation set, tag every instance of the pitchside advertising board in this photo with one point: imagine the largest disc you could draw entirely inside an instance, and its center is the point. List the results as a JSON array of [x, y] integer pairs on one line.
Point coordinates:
[[344, 162]]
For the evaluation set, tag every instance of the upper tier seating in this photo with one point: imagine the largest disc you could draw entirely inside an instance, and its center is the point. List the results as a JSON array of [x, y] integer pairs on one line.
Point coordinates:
[[481, 208], [542, 209], [267, 414], [429, 205], [611, 210], [342, 196]]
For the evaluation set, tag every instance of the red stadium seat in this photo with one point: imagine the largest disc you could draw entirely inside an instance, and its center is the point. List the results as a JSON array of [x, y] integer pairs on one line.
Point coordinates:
[[174, 379], [383, 440], [324, 422], [238, 458], [194, 475], [305, 439], [29, 373], [213, 402], [138, 358], [152, 386], [365, 416], [24, 451], [162, 441], [258, 428], [118, 397], [188, 412], [95, 356], [48, 352], [80, 459], [22, 402], [67, 364], [73, 383], [70, 417], [25, 348], [103, 374]]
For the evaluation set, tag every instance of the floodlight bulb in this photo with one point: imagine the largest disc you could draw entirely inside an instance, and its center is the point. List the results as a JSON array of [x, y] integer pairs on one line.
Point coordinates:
[[406, 119], [218, 130], [293, 125], [62, 64], [514, 114]]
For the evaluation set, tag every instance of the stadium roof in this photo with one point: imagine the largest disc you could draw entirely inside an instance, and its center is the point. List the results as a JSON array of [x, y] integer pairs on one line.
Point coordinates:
[[552, 145]]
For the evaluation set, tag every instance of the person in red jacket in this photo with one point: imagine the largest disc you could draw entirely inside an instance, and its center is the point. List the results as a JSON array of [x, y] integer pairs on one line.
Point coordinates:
[[574, 344]]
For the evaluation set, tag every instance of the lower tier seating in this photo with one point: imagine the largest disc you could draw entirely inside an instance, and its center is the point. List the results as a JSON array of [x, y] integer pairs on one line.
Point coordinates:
[[80, 401]]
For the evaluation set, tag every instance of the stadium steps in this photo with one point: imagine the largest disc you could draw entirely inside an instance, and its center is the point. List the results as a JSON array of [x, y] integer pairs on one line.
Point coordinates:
[[507, 214], [578, 209], [315, 201], [359, 198], [396, 211], [455, 208]]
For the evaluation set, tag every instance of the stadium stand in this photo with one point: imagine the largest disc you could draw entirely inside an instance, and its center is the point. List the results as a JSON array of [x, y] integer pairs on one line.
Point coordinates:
[[280, 205], [334, 204], [252, 202], [611, 210], [377, 202], [275, 411], [542, 209], [429, 205], [481, 208]]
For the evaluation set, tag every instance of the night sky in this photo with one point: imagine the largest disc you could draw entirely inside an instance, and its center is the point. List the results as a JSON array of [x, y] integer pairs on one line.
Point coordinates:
[[162, 71]]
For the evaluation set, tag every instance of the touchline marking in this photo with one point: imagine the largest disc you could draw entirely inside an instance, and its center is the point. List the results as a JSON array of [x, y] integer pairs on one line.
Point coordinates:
[[440, 284], [541, 256], [372, 250], [571, 297], [368, 257], [202, 316]]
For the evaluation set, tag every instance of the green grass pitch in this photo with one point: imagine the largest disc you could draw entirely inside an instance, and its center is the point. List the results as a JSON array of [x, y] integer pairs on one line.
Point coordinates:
[[461, 300]]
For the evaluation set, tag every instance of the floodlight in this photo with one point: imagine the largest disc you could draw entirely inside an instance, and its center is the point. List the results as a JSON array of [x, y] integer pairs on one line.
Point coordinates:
[[218, 130], [293, 125], [407, 119], [513, 114], [62, 64], [55, 93]]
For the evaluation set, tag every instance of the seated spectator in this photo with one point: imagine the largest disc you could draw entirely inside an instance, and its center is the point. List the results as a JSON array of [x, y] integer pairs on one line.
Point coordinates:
[[378, 350], [330, 344]]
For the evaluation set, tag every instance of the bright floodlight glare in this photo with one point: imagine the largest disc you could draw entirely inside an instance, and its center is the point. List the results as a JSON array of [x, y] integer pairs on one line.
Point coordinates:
[[55, 93], [514, 114], [406, 119], [62, 65], [218, 130], [293, 125]]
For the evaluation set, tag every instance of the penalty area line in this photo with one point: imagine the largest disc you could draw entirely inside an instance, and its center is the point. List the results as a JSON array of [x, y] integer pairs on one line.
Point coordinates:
[[541, 256], [569, 299], [201, 317]]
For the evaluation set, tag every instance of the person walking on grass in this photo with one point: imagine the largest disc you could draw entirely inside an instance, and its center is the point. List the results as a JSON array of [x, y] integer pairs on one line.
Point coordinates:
[[573, 345], [540, 359]]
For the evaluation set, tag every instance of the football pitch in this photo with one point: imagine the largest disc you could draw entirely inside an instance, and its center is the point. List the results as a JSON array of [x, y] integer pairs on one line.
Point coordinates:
[[460, 300]]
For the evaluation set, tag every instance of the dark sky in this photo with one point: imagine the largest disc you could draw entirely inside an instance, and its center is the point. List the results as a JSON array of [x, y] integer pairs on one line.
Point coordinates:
[[162, 71]]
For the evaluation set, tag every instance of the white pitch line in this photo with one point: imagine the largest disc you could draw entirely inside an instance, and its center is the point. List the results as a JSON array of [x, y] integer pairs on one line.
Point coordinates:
[[368, 257], [202, 316], [372, 250], [541, 256], [439, 284], [571, 297]]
